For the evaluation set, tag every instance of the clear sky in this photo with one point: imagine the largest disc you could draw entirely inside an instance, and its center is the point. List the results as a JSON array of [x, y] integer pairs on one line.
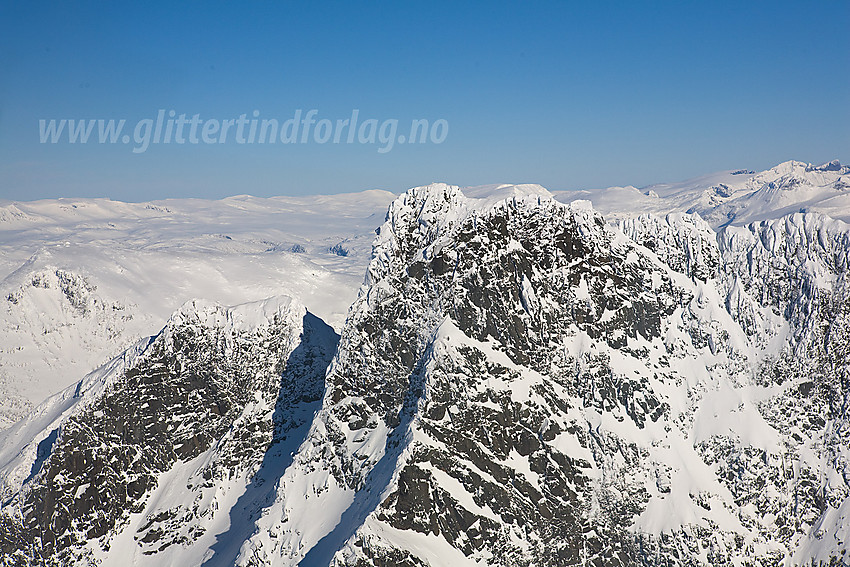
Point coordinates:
[[566, 94]]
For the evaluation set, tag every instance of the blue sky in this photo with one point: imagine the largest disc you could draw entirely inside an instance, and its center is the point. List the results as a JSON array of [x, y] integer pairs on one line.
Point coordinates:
[[566, 94]]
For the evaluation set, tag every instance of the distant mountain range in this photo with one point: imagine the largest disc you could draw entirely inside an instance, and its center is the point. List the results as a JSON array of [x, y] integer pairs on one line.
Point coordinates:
[[737, 197]]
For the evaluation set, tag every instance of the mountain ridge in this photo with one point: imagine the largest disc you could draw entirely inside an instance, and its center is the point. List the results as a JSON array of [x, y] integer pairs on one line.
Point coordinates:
[[519, 381]]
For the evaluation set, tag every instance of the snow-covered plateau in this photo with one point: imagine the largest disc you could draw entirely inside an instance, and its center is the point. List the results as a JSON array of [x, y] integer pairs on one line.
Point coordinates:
[[656, 376]]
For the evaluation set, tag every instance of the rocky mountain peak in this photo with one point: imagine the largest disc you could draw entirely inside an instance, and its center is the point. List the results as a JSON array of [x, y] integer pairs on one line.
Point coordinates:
[[519, 382]]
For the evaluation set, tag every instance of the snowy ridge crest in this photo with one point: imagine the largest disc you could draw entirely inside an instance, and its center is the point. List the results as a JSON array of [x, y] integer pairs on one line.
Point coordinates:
[[245, 318]]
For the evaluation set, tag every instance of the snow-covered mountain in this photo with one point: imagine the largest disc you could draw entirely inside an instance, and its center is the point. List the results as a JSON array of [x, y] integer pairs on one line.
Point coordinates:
[[150, 459], [736, 197], [519, 381]]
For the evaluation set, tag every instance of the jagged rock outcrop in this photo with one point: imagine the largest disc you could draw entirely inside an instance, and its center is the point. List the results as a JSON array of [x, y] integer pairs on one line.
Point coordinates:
[[200, 409], [524, 384]]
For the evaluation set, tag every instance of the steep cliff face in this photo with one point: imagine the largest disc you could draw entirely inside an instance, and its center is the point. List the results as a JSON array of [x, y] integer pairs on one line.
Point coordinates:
[[518, 383], [154, 455], [784, 282]]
